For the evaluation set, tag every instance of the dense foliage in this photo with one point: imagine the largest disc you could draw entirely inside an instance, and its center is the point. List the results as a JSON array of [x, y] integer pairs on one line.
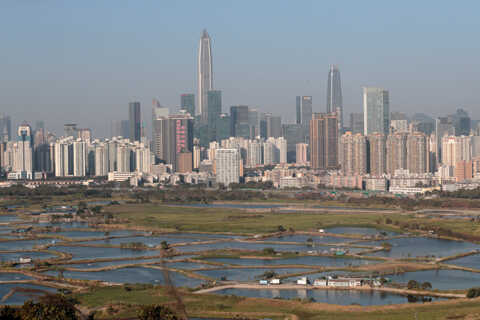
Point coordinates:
[[156, 312]]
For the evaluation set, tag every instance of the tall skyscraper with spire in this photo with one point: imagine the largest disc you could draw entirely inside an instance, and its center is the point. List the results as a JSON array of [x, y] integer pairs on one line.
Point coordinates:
[[334, 94], [205, 74]]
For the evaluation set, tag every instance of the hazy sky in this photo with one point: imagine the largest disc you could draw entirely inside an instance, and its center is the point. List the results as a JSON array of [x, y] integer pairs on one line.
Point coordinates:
[[83, 61]]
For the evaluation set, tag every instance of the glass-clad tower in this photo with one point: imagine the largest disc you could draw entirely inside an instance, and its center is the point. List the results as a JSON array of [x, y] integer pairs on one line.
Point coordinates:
[[205, 74], [376, 111], [334, 94]]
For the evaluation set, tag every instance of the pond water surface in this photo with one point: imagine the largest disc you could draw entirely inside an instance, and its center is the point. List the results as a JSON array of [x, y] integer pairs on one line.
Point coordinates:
[[341, 297]]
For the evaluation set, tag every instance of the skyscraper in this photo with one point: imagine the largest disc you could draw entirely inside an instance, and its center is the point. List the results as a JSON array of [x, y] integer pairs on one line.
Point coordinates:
[[214, 109], [396, 152], [239, 117], [304, 110], [376, 111], [324, 141], [172, 136], [5, 128], [274, 125], [334, 94], [356, 123], [23, 153], [187, 103], [417, 153], [134, 121], [353, 154], [227, 166], [205, 74], [378, 154]]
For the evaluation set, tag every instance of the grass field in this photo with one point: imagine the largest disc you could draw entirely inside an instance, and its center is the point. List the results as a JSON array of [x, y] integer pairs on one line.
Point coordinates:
[[234, 220], [229, 306], [156, 216]]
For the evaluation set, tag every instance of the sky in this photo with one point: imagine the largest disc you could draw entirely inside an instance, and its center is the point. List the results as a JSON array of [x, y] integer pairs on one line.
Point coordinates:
[[83, 61]]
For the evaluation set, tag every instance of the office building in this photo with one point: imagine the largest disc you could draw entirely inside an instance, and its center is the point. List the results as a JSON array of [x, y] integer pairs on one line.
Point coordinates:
[[172, 135], [324, 141], [240, 125], [304, 112], [187, 103], [5, 128], [135, 121], [214, 107], [294, 134], [334, 94], [376, 111], [274, 125], [227, 166], [205, 75], [254, 122], [356, 123], [223, 127]]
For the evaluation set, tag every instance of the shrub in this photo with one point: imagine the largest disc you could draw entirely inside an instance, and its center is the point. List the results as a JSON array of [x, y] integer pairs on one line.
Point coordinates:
[[156, 312], [412, 284], [473, 292]]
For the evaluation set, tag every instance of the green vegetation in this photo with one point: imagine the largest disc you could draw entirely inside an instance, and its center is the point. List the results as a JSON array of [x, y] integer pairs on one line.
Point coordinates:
[[133, 245], [54, 307], [231, 306], [232, 220], [177, 218], [473, 293], [156, 312], [415, 285]]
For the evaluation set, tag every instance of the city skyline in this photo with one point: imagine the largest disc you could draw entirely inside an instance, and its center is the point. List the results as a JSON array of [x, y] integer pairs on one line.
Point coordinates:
[[253, 66]]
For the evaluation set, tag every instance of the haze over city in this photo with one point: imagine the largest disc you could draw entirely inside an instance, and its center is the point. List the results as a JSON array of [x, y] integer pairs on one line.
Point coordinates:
[[83, 62]]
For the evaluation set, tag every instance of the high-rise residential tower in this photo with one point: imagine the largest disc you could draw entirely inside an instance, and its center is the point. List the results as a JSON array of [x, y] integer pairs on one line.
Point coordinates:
[[353, 154], [205, 74], [324, 140], [334, 94], [135, 121], [376, 111], [23, 152], [418, 153], [396, 145], [227, 163], [378, 154]]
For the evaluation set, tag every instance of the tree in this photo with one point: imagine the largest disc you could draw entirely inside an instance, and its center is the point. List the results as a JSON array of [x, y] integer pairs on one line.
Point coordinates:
[[9, 313], [164, 244], [52, 307], [269, 251], [426, 285], [156, 312], [473, 293], [412, 284]]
